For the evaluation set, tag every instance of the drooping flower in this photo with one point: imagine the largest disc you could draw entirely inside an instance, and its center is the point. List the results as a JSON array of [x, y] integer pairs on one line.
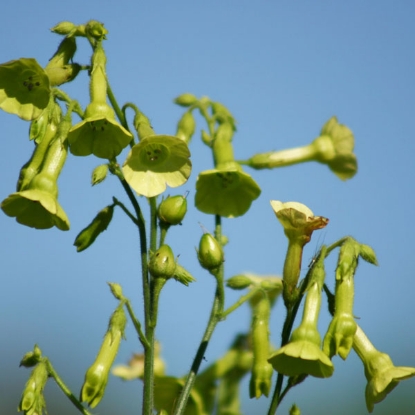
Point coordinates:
[[156, 162], [303, 354], [24, 88], [37, 205], [99, 133], [381, 374], [227, 191]]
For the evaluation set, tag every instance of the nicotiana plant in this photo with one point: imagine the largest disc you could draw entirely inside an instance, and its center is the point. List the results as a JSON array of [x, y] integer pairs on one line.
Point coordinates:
[[60, 127]]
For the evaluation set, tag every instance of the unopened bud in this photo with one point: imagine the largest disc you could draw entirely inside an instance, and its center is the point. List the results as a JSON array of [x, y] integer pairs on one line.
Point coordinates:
[[99, 174], [162, 263], [100, 223], [210, 253], [239, 282], [186, 100], [173, 209]]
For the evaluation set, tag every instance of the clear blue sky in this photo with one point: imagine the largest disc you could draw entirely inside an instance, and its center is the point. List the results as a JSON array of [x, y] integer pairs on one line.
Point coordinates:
[[283, 69]]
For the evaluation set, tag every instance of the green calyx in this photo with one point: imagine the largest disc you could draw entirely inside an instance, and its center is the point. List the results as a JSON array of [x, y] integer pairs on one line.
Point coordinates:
[[162, 263], [24, 88], [172, 210], [156, 162], [210, 253]]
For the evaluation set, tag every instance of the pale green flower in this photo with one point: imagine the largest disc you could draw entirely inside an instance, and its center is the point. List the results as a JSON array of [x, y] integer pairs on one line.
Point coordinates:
[[24, 88], [228, 191], [156, 162]]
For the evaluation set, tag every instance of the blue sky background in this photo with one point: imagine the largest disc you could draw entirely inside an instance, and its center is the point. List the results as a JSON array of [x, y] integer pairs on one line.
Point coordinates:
[[283, 69]]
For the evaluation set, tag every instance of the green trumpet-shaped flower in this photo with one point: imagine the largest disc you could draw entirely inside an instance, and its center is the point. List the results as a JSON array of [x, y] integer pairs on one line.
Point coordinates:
[[99, 133], [226, 191], [24, 88], [156, 162], [333, 147], [37, 206], [303, 355], [381, 374], [96, 377], [33, 401]]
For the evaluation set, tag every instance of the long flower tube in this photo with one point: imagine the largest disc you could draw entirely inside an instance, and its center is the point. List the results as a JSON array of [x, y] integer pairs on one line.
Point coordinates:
[[37, 206], [303, 354], [334, 147]]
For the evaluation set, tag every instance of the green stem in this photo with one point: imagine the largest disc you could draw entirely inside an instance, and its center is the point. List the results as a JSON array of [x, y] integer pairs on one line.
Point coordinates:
[[148, 388], [285, 336], [215, 317], [116, 107], [137, 325], [241, 301], [65, 389], [127, 212], [191, 377]]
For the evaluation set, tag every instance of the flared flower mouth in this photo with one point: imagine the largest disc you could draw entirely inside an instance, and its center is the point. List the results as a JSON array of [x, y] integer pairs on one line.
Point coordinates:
[[297, 219], [156, 162], [301, 357], [36, 209], [24, 88], [383, 377], [225, 192], [99, 135]]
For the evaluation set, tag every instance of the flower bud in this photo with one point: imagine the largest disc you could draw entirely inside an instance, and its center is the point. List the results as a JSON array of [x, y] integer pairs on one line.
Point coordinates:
[[185, 100], [238, 282], [186, 127], [116, 290], [96, 377], [210, 253], [95, 29], [63, 28], [206, 138], [173, 209], [295, 410], [100, 223], [162, 263], [33, 401], [31, 358], [99, 174]]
